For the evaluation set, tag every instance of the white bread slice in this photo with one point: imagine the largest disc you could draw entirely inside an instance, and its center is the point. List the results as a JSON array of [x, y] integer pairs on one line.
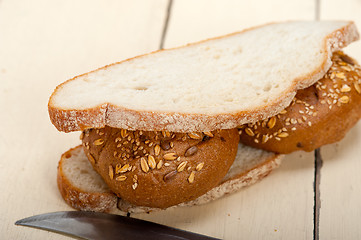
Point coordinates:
[[83, 189], [80, 185], [219, 83]]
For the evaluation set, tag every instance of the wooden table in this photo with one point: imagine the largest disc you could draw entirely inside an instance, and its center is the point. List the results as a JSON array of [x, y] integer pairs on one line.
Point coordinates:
[[43, 43]]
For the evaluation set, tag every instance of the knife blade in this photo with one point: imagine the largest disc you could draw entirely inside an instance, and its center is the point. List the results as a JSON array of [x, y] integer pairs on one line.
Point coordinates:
[[92, 225]]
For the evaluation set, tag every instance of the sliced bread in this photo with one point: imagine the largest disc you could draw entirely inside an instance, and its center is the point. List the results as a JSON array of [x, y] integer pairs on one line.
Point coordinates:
[[83, 189], [220, 83]]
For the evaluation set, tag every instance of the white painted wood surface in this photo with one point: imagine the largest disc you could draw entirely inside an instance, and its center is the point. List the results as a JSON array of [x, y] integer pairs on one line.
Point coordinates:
[[43, 43], [340, 188]]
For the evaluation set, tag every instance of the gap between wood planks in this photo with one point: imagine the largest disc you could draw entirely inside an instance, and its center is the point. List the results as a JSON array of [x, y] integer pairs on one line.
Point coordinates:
[[318, 165]]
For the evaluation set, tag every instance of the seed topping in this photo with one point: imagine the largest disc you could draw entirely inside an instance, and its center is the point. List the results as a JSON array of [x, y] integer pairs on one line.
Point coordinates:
[[181, 166], [144, 165], [170, 156], [200, 166], [98, 142], [151, 162], [191, 177], [191, 151]]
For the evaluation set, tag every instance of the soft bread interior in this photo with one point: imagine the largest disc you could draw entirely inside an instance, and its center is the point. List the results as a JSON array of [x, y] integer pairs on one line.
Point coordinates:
[[80, 173], [249, 166]]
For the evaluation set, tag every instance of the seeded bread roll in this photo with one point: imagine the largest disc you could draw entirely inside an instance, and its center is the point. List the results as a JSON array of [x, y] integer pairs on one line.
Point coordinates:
[[83, 188], [160, 169], [318, 115]]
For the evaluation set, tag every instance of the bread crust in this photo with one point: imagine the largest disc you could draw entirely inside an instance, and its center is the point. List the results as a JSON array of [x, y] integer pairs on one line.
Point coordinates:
[[79, 198], [106, 114], [318, 115], [160, 169]]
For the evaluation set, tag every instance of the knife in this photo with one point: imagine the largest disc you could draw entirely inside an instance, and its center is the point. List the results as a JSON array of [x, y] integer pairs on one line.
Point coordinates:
[[92, 225]]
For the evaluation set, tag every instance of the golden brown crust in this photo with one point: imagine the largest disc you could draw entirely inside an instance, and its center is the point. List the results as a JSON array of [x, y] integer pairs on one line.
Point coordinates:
[[120, 117], [78, 198], [160, 169], [319, 115]]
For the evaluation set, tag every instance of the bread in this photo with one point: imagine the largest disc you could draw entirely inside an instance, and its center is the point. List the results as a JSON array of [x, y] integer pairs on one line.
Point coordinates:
[[160, 169], [318, 115], [219, 83], [80, 186], [74, 170]]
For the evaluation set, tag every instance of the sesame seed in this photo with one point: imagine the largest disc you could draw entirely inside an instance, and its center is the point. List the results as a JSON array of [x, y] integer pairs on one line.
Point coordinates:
[[151, 162], [166, 164], [160, 164], [344, 99], [200, 166], [271, 123], [134, 186], [120, 169], [293, 129], [256, 140], [156, 150], [265, 138], [144, 165], [195, 135], [283, 134], [209, 134], [121, 178], [249, 132], [170, 156], [181, 166], [191, 177], [123, 133], [309, 124], [98, 142], [341, 75], [91, 159], [111, 172]]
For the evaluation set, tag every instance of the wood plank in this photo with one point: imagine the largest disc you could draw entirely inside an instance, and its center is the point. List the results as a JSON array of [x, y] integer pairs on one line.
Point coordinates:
[[43, 43], [281, 206], [340, 212]]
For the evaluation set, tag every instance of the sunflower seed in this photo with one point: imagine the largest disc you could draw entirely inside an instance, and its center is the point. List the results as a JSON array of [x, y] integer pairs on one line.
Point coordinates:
[[169, 175], [191, 151]]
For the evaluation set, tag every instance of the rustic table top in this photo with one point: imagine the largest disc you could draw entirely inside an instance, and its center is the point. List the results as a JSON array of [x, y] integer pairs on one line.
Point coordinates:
[[43, 43]]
